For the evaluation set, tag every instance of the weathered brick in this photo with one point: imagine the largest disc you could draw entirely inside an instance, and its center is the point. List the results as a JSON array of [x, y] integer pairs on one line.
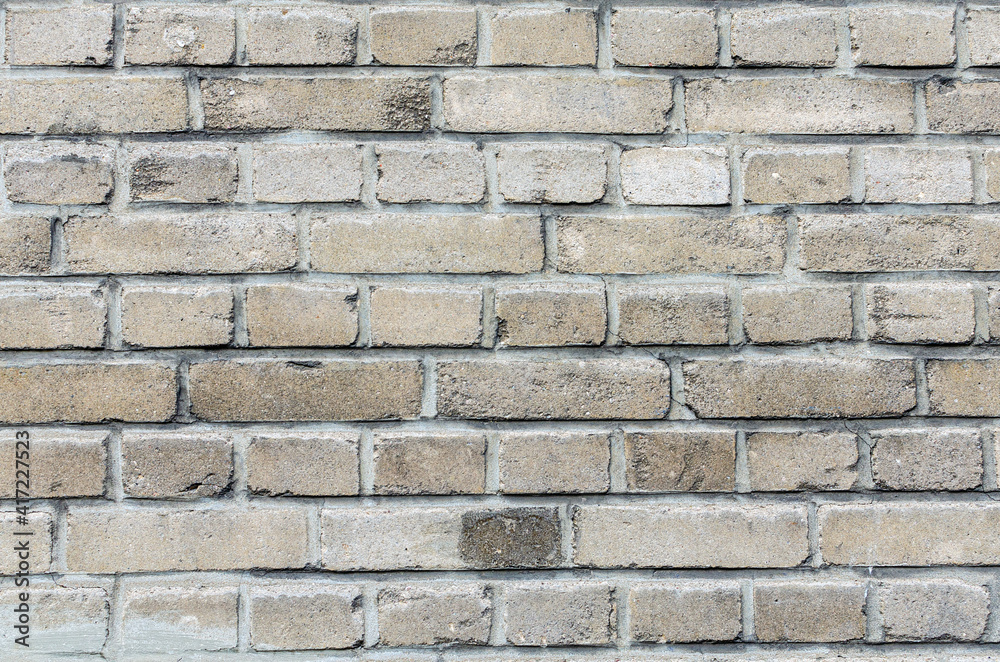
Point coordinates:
[[414, 315], [964, 388], [664, 37], [195, 615], [811, 388], [686, 536], [25, 243], [920, 312], [58, 173], [180, 35], [429, 463], [672, 314], [70, 616], [544, 36], [809, 611], [52, 316], [63, 463], [183, 173], [790, 36], [670, 461], [302, 463], [668, 244], [789, 461], [930, 459], [684, 611], [60, 36], [176, 465], [423, 35], [898, 36], [920, 175], [430, 172], [550, 313], [993, 307], [40, 528], [288, 390], [304, 614], [983, 27], [321, 172], [991, 172], [557, 462], [559, 173], [963, 107], [796, 314], [933, 610], [675, 176], [415, 615], [559, 614], [302, 315], [300, 35], [799, 174], [157, 316]]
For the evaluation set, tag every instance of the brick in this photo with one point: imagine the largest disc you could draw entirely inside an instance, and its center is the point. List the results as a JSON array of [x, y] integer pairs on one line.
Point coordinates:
[[302, 463], [304, 615], [932, 459], [796, 175], [538, 462], [170, 242], [991, 172], [920, 313], [675, 176], [909, 534], [302, 315], [897, 36], [550, 314], [183, 173], [415, 615], [554, 36], [64, 463], [68, 617], [189, 616], [983, 27], [686, 536], [428, 172], [180, 35], [684, 611], [554, 389], [429, 463], [554, 102], [791, 36], [791, 461], [558, 173], [670, 461], [559, 614], [933, 610], [58, 173], [919, 175], [993, 308], [300, 36], [668, 244], [376, 103], [809, 611], [426, 243], [61, 36], [172, 465], [49, 317], [964, 388], [664, 37], [797, 314], [288, 390], [958, 107], [319, 172], [812, 388], [435, 36], [88, 392], [415, 315], [799, 105], [25, 243], [40, 527], [123, 539], [176, 316], [671, 314]]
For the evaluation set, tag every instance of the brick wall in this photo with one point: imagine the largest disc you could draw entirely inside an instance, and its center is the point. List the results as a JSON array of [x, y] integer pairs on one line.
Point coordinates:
[[453, 332]]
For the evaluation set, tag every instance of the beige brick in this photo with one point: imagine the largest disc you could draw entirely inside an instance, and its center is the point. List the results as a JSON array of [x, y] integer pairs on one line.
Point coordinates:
[[964, 388], [545, 172], [59, 173], [429, 463], [177, 316], [288, 390], [684, 611], [933, 610], [180, 35], [664, 37], [960, 107], [675, 176], [307, 173], [559, 614], [796, 175], [414, 172], [993, 307], [554, 389], [101, 539], [191, 616], [811, 388], [543, 36], [670, 461], [799, 105], [373, 103], [920, 312], [176, 465], [423, 35], [302, 315], [790, 461], [415, 315], [796, 314], [670, 244], [63, 462], [87, 392], [672, 314], [687, 536], [550, 313], [170, 242], [303, 463], [70, 616], [415, 615], [183, 173], [300, 35], [25, 243], [919, 175], [555, 102], [540, 462], [909, 534], [899, 36], [60, 36], [40, 527], [931, 459], [789, 36], [983, 27], [52, 316], [305, 614], [809, 611], [991, 172], [426, 243]]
